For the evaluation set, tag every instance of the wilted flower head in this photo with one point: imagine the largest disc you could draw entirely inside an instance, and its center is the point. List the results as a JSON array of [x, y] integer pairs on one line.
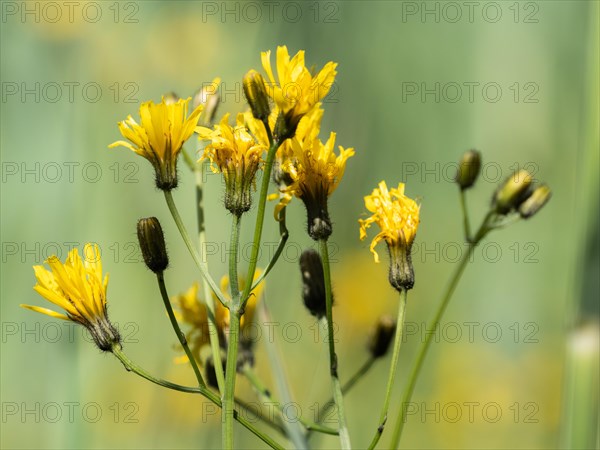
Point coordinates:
[[164, 127], [238, 155], [398, 220], [78, 288]]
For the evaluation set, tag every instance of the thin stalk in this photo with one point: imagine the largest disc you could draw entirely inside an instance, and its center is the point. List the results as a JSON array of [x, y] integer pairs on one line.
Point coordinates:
[[260, 217], [284, 234], [230, 375], [418, 364], [465, 213], [188, 242], [393, 367], [234, 336], [178, 332], [293, 430], [346, 387], [250, 410], [213, 333], [130, 366], [265, 393], [333, 364], [233, 257]]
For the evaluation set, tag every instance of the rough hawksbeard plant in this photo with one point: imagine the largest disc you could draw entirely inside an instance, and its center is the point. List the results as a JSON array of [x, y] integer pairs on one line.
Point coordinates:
[[274, 149]]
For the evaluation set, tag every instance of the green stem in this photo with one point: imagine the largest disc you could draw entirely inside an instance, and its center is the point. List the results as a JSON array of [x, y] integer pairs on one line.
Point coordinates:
[[251, 410], [234, 336], [213, 333], [233, 260], [178, 332], [265, 393], [284, 234], [230, 376], [189, 245], [418, 364], [333, 364], [294, 431], [465, 212], [346, 387], [393, 367], [260, 218], [130, 366]]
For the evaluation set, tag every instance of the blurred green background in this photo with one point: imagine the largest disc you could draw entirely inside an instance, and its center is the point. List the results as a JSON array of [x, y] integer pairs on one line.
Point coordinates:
[[403, 100]]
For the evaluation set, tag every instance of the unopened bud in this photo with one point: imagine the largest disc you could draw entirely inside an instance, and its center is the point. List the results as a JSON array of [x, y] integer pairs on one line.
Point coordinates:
[[382, 336], [209, 97], [171, 98], [313, 283], [256, 94], [152, 244], [512, 192], [538, 198], [468, 169]]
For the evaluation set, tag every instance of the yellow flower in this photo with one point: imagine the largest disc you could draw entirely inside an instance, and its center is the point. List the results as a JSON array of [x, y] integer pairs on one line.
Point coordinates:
[[79, 289], [396, 214], [160, 136], [398, 219], [314, 171], [296, 91], [237, 154]]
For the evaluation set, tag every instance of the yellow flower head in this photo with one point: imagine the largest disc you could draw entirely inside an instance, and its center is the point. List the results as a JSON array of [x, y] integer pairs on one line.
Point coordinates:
[[398, 219], [160, 136], [314, 171], [78, 288], [237, 154], [297, 90], [395, 213]]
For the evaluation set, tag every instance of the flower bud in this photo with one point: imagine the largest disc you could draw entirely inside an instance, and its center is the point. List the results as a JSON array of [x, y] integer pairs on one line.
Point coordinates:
[[512, 192], [382, 336], [152, 244], [256, 94], [313, 283], [468, 169], [532, 204], [209, 97], [171, 98]]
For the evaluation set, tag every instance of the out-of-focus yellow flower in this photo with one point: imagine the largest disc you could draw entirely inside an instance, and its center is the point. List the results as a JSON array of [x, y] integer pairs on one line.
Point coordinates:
[[314, 171], [164, 127], [398, 219], [395, 213], [255, 295], [193, 312], [238, 155], [78, 288], [296, 90]]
